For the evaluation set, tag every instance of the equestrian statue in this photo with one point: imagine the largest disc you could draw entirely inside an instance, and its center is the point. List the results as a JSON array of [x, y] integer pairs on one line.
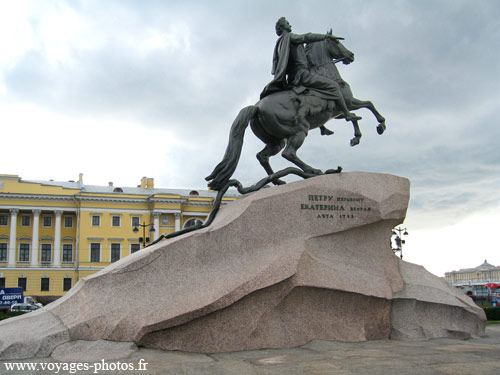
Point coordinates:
[[306, 92]]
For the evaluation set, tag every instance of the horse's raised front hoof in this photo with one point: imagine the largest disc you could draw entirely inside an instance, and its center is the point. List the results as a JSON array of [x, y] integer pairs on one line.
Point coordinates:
[[381, 128], [330, 171], [355, 141]]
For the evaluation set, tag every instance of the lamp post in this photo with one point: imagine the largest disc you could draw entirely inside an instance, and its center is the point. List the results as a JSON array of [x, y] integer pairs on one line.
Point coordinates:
[[397, 234], [144, 239]]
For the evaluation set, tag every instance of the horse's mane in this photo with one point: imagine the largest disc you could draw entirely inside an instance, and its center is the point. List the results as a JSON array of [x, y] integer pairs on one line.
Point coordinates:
[[318, 57]]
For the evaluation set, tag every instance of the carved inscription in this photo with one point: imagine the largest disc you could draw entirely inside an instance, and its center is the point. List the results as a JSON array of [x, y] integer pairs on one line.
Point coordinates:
[[333, 207]]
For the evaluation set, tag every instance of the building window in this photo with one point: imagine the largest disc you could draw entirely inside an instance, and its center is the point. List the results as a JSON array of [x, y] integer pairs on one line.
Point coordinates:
[[25, 221], [95, 252], [45, 284], [3, 252], [67, 283], [115, 221], [46, 255], [134, 247], [22, 283], [115, 252], [2, 282], [68, 222], [4, 220], [165, 220], [96, 221], [67, 253], [135, 221], [47, 221], [24, 252]]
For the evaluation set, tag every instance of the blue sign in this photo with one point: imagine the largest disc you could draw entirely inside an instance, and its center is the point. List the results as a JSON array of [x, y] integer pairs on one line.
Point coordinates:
[[9, 296]]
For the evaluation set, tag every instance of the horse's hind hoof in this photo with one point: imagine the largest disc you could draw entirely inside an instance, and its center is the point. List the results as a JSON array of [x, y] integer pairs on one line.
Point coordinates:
[[354, 141], [381, 128]]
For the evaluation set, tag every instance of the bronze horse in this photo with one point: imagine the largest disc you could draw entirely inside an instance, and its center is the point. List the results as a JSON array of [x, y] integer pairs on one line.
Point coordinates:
[[319, 56], [283, 119]]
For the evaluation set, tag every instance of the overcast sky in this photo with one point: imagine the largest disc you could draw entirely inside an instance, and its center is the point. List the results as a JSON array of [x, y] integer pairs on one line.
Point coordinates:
[[118, 90]]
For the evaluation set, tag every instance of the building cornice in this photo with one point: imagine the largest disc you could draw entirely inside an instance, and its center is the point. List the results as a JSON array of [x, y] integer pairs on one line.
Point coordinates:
[[45, 269], [87, 268], [108, 199], [90, 198], [38, 197], [197, 204], [129, 200], [158, 200]]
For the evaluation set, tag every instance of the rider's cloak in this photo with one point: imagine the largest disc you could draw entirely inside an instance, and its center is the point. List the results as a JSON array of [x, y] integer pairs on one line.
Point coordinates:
[[280, 63]]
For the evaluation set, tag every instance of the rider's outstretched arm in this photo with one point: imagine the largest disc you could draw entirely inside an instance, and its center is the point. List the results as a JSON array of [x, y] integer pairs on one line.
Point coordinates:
[[307, 38], [311, 38]]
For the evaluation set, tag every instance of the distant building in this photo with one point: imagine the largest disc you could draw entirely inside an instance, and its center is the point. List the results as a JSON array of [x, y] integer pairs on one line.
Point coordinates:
[[54, 233], [474, 280]]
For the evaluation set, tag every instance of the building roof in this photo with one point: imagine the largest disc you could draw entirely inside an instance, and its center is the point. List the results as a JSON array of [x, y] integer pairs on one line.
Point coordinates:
[[98, 189], [142, 191], [63, 184], [485, 265], [482, 267]]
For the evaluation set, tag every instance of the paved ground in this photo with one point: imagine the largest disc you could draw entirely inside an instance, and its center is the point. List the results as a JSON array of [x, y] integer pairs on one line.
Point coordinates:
[[384, 357]]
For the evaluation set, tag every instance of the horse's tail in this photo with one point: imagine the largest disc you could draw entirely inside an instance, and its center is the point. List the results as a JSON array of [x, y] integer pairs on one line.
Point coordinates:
[[225, 169]]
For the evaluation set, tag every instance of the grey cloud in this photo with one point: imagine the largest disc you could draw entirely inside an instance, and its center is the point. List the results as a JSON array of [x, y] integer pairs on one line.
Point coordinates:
[[431, 68]]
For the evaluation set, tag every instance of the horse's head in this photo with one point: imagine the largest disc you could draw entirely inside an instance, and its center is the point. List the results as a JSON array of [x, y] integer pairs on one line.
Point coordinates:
[[336, 50]]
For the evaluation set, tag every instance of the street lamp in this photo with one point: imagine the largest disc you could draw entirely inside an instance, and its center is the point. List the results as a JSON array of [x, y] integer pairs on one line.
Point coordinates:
[[144, 239], [397, 234]]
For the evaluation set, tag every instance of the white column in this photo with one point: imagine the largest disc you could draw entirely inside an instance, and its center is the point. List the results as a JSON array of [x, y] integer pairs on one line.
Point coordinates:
[[57, 240], [12, 239], [177, 216], [34, 243], [156, 224]]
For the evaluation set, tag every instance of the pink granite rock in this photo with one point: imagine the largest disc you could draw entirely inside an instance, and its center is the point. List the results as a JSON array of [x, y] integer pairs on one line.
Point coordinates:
[[428, 307], [277, 268]]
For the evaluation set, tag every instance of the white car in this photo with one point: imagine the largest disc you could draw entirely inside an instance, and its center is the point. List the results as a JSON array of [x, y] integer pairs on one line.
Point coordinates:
[[31, 301], [23, 307]]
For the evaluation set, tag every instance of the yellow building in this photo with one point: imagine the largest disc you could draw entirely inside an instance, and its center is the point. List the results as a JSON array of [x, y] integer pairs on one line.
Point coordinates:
[[54, 233]]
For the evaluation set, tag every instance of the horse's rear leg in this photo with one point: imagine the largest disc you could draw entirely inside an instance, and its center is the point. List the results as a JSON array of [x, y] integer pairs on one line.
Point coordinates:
[[355, 104], [263, 156], [290, 153]]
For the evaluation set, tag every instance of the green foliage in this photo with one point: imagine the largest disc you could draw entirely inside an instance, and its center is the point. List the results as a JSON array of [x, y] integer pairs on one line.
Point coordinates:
[[492, 313], [483, 304], [9, 314]]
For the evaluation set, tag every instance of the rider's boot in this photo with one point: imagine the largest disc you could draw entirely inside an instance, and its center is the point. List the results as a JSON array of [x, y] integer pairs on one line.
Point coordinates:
[[349, 116]]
